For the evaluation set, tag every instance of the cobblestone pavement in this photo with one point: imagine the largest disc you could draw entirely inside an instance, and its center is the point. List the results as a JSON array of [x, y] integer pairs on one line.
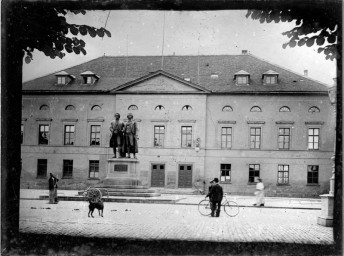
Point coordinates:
[[174, 222]]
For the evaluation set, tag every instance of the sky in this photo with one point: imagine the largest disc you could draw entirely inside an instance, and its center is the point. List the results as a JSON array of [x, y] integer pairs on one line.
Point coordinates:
[[186, 33]]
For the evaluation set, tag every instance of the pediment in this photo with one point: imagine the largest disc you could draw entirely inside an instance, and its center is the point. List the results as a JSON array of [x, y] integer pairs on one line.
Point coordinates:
[[158, 82]]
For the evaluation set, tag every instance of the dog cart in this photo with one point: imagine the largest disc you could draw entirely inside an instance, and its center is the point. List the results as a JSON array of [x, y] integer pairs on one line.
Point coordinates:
[[93, 195]]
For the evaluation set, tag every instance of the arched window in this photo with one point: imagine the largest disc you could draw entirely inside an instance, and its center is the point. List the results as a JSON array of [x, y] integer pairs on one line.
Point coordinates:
[[70, 107], [186, 108], [284, 109], [159, 107], [133, 107], [256, 109], [96, 108], [314, 109], [44, 107], [227, 109]]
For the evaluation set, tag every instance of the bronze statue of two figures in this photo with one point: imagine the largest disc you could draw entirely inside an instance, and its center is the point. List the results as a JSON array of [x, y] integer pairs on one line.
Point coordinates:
[[123, 137]]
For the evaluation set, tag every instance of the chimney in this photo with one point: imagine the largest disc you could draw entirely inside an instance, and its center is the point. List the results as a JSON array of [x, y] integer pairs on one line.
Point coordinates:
[[244, 52], [305, 72]]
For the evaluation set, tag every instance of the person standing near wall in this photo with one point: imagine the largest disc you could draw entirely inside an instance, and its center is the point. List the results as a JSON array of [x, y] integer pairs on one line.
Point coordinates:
[[53, 189], [260, 200]]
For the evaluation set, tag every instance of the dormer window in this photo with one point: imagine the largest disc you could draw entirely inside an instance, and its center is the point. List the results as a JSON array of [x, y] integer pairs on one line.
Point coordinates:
[[89, 77], [64, 78], [242, 78], [270, 77]]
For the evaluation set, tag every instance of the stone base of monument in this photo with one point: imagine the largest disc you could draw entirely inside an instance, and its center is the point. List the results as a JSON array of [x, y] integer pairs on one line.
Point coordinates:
[[123, 179], [326, 217]]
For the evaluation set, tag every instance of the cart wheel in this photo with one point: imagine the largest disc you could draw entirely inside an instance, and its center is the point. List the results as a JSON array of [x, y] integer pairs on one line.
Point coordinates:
[[94, 194]]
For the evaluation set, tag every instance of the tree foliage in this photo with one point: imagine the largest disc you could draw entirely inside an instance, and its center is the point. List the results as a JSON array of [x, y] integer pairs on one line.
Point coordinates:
[[46, 29], [314, 27]]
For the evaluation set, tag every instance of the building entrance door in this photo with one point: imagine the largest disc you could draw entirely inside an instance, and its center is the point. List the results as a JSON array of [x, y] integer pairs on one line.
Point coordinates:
[[158, 175], [185, 176]]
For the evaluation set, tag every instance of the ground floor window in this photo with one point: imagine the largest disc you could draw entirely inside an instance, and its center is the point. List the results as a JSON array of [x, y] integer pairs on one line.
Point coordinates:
[[94, 169], [254, 172], [313, 174], [42, 168], [225, 173], [283, 174], [67, 168]]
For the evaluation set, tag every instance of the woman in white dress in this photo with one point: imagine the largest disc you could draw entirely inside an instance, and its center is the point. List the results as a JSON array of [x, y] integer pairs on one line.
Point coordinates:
[[260, 201]]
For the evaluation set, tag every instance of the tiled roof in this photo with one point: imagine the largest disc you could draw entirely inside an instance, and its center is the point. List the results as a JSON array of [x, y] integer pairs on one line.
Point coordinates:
[[116, 71]]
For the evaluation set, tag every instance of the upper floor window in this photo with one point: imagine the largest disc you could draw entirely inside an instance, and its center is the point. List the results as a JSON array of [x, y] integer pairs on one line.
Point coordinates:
[[95, 135], [186, 108], [255, 109], [186, 136], [226, 137], [159, 135], [44, 107], [69, 135], [314, 109], [89, 77], [313, 138], [159, 107], [283, 138], [255, 137], [284, 109], [43, 136], [242, 77], [96, 108], [227, 109], [70, 107]]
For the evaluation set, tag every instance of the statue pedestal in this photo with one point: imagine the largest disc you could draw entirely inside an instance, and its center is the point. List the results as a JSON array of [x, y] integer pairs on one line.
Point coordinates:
[[326, 217], [122, 171]]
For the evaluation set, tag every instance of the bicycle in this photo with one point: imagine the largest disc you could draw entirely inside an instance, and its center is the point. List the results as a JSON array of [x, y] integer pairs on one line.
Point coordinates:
[[230, 207]]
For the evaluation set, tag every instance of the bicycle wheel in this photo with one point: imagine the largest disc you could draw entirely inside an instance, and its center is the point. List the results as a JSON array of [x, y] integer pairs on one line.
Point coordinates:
[[231, 208], [204, 207]]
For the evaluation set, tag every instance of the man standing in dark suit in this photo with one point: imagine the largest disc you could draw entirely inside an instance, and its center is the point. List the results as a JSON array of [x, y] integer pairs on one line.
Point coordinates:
[[215, 197]]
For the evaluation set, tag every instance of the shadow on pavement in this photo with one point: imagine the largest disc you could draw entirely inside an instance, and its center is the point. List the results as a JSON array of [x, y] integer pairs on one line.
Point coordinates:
[[40, 244]]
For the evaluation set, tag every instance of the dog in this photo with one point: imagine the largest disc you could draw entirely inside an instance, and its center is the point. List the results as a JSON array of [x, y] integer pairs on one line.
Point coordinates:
[[96, 205]]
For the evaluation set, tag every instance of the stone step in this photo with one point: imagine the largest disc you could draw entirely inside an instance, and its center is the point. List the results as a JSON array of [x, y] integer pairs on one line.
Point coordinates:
[[121, 186]]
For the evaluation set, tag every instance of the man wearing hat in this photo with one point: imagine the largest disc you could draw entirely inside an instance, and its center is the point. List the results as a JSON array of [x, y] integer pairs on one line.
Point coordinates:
[[130, 136], [215, 197], [117, 128]]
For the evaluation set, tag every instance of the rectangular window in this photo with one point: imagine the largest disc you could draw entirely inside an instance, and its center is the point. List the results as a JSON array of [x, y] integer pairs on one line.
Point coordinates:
[[254, 172], [255, 136], [225, 173], [67, 168], [313, 174], [283, 174], [94, 169], [270, 79], [159, 135], [43, 136], [242, 79], [313, 138], [69, 134], [186, 136], [42, 168], [95, 135], [226, 137], [61, 80], [22, 133], [283, 138], [87, 80]]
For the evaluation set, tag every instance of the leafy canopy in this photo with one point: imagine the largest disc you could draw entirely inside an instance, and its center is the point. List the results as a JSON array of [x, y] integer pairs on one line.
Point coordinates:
[[313, 27], [45, 28]]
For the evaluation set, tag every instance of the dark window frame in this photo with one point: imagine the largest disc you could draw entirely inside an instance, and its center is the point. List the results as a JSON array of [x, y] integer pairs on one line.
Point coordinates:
[[253, 172], [228, 137], [313, 175], [42, 167], [93, 135], [93, 169], [67, 169], [253, 138], [43, 135], [225, 172], [312, 137], [159, 136], [68, 136], [283, 138], [186, 137], [283, 179]]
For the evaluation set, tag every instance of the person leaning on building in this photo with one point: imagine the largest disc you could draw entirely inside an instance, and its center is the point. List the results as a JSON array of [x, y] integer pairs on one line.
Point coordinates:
[[215, 197], [53, 189], [260, 200]]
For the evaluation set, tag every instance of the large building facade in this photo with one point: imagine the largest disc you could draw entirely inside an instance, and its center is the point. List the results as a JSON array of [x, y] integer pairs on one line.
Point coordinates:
[[235, 117]]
